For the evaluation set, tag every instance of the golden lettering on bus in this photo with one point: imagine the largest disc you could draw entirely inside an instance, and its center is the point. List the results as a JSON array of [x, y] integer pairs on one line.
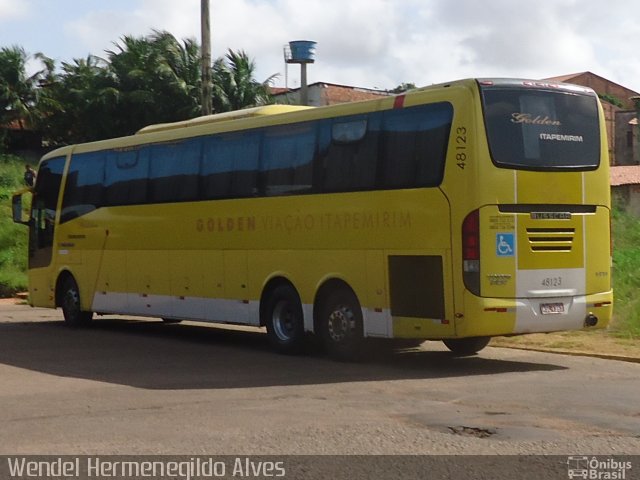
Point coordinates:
[[225, 224], [338, 221], [309, 222], [530, 119]]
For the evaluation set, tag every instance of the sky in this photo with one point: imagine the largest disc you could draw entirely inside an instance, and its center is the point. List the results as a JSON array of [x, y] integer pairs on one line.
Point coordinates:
[[364, 43]]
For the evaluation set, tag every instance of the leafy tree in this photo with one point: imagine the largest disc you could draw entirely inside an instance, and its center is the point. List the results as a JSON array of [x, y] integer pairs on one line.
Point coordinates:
[[142, 81], [81, 103], [158, 79], [612, 99], [234, 86], [18, 91], [145, 80], [403, 87]]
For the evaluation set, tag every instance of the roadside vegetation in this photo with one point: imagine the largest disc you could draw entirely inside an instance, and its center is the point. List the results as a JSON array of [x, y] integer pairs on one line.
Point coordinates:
[[142, 81], [13, 238], [626, 274]]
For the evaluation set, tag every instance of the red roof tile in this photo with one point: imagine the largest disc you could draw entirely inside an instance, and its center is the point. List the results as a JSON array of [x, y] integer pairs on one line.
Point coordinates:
[[343, 94], [566, 78], [278, 90], [15, 125], [625, 175]]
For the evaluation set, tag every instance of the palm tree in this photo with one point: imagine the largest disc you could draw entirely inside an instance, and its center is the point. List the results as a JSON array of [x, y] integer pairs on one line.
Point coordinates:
[[144, 80], [158, 79], [19, 92], [234, 86], [81, 102], [184, 77]]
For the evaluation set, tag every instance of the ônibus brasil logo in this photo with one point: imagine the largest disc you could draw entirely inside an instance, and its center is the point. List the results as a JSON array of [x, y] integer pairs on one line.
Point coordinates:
[[594, 468]]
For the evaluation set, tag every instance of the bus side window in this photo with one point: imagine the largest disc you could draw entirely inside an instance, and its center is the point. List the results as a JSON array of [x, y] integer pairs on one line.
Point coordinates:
[[246, 159], [287, 159], [174, 169], [217, 164], [415, 145], [230, 166], [126, 177], [84, 189], [350, 159]]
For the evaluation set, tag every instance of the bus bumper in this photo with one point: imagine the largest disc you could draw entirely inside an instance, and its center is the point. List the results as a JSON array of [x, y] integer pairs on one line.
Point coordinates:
[[498, 316]]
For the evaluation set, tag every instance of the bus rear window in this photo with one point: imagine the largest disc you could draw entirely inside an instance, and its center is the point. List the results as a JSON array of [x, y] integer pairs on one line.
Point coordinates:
[[542, 129]]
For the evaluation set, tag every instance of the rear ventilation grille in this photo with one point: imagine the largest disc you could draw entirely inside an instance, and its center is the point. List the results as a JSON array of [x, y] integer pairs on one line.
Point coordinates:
[[551, 239]]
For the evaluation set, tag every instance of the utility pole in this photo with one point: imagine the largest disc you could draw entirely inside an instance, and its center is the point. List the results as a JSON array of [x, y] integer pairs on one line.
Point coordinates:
[[205, 19]]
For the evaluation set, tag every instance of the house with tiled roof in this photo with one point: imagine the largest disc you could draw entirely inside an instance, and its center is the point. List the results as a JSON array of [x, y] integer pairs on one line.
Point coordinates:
[[322, 94], [601, 85], [625, 187], [621, 120], [20, 138]]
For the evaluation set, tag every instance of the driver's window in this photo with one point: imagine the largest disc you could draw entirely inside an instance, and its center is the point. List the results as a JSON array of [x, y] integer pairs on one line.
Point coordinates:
[[43, 212]]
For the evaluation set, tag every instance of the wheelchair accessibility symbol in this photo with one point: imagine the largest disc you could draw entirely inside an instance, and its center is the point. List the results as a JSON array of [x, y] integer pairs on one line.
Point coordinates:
[[505, 244]]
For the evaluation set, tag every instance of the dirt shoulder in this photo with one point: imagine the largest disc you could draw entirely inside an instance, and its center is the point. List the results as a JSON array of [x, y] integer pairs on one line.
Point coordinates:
[[598, 343], [11, 301]]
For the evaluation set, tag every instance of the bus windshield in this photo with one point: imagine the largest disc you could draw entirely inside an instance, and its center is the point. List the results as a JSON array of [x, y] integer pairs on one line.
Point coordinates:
[[541, 129]]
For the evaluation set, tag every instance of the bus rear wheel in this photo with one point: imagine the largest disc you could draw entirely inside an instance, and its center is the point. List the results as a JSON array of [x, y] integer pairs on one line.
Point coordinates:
[[74, 316], [464, 347], [340, 325], [284, 320]]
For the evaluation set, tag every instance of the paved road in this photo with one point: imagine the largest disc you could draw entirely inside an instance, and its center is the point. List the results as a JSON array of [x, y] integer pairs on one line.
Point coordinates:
[[141, 387]]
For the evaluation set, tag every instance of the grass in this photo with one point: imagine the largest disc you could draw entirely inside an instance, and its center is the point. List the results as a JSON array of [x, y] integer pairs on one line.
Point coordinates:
[[13, 238], [626, 274], [599, 342]]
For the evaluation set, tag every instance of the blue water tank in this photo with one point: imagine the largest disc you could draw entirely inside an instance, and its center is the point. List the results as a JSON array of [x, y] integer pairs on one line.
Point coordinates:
[[302, 51]]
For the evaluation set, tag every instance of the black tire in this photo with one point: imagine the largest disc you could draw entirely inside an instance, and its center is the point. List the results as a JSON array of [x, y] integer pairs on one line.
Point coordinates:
[[340, 326], [74, 316], [284, 320], [464, 347], [170, 321]]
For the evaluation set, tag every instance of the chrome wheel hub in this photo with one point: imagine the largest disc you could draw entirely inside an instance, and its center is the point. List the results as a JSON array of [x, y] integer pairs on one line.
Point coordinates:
[[341, 323], [283, 321]]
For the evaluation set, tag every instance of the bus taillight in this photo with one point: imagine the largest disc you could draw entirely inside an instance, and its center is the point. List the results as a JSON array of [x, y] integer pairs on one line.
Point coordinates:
[[471, 251]]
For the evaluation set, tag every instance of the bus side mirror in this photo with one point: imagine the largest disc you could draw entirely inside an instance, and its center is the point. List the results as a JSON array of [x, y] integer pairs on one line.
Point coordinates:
[[16, 203]]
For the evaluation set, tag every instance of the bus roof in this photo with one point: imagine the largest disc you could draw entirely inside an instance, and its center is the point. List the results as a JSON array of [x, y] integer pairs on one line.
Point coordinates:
[[222, 117], [537, 84], [266, 115]]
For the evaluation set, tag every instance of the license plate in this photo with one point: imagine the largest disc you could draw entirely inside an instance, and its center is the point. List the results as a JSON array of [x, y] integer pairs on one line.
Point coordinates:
[[551, 308]]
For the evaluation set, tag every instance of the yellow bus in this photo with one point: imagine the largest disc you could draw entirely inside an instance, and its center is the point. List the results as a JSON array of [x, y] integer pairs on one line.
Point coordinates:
[[455, 212]]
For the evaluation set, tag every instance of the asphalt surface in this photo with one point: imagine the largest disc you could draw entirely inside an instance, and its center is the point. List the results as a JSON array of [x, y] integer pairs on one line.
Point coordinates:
[[126, 386]]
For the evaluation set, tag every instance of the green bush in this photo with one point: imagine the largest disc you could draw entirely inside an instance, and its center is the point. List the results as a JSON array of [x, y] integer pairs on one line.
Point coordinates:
[[626, 279], [13, 238]]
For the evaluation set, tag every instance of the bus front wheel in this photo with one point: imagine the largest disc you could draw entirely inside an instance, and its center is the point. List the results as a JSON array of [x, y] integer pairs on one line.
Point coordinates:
[[341, 325], [74, 316], [464, 347], [284, 320]]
